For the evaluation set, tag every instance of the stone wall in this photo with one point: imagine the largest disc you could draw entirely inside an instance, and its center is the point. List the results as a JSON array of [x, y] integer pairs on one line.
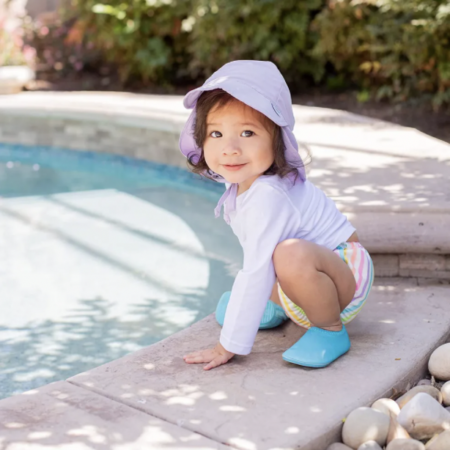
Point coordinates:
[[412, 265], [137, 142]]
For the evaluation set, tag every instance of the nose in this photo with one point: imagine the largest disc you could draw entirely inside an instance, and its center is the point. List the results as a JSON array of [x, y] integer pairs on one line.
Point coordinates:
[[231, 147]]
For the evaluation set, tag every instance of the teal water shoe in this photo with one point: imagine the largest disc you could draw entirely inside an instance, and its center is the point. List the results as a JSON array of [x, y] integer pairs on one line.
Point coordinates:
[[273, 316], [318, 347]]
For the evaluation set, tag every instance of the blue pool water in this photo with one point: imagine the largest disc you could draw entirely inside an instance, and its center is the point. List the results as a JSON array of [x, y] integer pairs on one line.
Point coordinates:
[[42, 171], [101, 256]]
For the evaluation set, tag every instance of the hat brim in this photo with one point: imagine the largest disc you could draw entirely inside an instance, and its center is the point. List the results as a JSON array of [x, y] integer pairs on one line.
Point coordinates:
[[242, 92]]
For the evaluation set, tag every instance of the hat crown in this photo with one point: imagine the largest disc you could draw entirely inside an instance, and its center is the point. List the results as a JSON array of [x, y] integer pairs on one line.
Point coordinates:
[[261, 76]]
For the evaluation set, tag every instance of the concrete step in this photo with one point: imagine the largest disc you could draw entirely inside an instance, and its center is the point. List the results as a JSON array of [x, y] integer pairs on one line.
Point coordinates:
[[260, 401]]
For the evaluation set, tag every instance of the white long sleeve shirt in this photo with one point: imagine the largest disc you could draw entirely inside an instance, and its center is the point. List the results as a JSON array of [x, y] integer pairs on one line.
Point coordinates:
[[269, 212]]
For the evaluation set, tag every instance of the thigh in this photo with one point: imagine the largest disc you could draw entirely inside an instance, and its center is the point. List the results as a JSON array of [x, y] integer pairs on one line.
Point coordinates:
[[295, 258]]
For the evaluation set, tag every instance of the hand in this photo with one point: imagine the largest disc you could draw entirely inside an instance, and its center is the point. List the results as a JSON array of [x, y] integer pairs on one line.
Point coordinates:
[[213, 356]]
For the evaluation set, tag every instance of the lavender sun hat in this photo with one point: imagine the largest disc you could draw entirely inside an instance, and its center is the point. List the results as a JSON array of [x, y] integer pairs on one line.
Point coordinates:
[[260, 85]]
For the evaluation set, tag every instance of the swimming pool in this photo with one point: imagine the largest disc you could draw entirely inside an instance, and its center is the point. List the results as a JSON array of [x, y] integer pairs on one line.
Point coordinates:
[[101, 256]]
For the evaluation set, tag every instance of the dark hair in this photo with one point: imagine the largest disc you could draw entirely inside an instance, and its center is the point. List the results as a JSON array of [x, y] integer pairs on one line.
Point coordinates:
[[220, 98]]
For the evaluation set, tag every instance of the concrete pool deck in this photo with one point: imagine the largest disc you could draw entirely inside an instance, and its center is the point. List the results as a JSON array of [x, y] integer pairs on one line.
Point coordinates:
[[392, 182]]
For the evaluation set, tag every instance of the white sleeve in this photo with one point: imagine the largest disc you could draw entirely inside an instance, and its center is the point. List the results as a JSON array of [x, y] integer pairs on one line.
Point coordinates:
[[268, 219]]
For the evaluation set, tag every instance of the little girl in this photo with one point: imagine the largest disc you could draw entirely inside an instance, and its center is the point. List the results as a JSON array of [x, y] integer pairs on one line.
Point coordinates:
[[299, 250]]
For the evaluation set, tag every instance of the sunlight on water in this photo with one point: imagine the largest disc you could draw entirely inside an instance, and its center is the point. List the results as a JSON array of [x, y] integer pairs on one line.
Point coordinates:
[[102, 256]]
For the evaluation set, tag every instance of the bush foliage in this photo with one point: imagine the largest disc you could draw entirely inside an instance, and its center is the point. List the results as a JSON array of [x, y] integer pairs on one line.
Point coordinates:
[[57, 51], [279, 31], [142, 38], [169, 40], [393, 49]]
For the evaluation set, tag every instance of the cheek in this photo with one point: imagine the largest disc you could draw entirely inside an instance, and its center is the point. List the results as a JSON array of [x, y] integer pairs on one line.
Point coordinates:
[[208, 153], [268, 156]]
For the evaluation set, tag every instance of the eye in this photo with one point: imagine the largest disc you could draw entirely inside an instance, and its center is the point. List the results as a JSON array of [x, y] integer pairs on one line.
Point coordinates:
[[249, 131], [211, 134]]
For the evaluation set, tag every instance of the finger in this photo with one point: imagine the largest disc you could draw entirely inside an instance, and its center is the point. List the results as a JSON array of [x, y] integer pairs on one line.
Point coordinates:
[[198, 359], [216, 362], [194, 360]]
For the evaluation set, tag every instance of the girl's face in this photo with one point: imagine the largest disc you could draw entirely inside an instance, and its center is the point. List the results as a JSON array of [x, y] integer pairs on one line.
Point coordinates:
[[237, 145]]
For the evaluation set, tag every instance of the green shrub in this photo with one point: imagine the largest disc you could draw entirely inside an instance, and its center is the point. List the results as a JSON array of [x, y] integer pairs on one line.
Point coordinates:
[[167, 41], [396, 49], [393, 49], [226, 30], [143, 38]]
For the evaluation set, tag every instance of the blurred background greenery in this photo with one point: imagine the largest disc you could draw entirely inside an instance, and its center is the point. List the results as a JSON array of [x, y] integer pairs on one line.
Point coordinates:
[[391, 50]]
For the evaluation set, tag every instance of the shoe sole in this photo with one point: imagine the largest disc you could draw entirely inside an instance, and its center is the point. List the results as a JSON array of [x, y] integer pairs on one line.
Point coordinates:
[[315, 366]]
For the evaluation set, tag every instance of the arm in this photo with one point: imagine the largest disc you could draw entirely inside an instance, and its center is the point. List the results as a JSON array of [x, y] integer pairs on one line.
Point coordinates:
[[268, 219]]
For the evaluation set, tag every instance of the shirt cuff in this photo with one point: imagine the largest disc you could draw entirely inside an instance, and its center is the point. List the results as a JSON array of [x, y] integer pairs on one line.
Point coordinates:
[[234, 347]]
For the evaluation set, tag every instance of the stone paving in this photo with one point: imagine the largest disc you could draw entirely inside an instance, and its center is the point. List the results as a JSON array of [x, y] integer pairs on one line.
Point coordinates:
[[61, 415], [392, 182]]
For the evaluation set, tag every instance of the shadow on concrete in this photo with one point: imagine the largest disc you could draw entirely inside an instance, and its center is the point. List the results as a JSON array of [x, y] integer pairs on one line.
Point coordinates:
[[376, 178]]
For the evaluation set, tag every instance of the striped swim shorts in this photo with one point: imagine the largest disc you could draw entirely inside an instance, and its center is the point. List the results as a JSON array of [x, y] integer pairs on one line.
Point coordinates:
[[360, 263]]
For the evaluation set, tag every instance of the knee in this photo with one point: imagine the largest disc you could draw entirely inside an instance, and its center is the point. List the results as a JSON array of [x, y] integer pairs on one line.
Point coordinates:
[[290, 255]]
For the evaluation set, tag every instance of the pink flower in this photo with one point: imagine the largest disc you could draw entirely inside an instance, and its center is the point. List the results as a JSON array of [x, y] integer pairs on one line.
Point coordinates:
[[44, 31]]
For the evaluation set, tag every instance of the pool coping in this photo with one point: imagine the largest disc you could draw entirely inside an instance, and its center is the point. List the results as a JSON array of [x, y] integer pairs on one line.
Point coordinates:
[[257, 402], [401, 237], [166, 115]]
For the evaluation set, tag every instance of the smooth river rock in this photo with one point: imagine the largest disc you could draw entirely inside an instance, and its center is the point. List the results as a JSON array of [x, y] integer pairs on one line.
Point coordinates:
[[430, 390], [365, 424], [370, 445], [386, 406], [396, 431], [423, 416], [338, 446], [440, 442], [405, 444], [439, 363], [445, 391]]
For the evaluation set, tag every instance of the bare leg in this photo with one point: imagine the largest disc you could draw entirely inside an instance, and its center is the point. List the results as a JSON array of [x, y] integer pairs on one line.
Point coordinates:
[[316, 279]]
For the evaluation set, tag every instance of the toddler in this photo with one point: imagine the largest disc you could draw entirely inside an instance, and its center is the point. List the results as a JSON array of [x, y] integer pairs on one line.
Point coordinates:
[[302, 257]]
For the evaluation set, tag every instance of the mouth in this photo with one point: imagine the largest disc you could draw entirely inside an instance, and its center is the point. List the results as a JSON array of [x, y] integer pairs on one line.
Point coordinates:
[[233, 166]]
